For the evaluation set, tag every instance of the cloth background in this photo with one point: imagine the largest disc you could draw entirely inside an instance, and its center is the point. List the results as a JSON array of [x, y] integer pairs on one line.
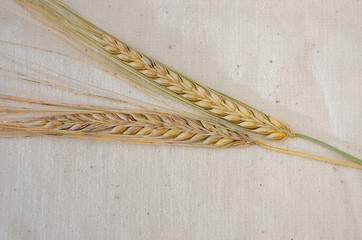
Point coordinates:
[[299, 61]]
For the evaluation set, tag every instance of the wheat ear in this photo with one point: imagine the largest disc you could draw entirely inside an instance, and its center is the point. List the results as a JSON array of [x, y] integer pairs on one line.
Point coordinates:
[[164, 80], [133, 126], [162, 77], [150, 127], [208, 99]]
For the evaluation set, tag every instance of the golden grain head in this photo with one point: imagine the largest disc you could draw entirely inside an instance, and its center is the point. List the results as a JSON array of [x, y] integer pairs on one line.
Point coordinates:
[[220, 106], [143, 127], [208, 99]]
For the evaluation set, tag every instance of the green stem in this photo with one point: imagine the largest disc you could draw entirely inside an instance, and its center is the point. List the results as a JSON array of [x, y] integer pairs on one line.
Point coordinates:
[[344, 154]]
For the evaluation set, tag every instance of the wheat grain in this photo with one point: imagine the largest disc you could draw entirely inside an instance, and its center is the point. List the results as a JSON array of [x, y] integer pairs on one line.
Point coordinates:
[[150, 127]]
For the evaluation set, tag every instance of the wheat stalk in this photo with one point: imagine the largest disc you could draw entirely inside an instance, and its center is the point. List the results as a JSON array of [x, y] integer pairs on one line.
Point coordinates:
[[150, 127]]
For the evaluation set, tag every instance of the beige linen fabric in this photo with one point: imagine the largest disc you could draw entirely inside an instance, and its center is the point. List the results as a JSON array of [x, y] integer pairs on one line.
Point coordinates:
[[299, 61]]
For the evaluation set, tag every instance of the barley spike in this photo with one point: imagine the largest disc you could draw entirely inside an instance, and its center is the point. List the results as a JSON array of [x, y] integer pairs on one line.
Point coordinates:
[[162, 77], [150, 127], [219, 105]]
